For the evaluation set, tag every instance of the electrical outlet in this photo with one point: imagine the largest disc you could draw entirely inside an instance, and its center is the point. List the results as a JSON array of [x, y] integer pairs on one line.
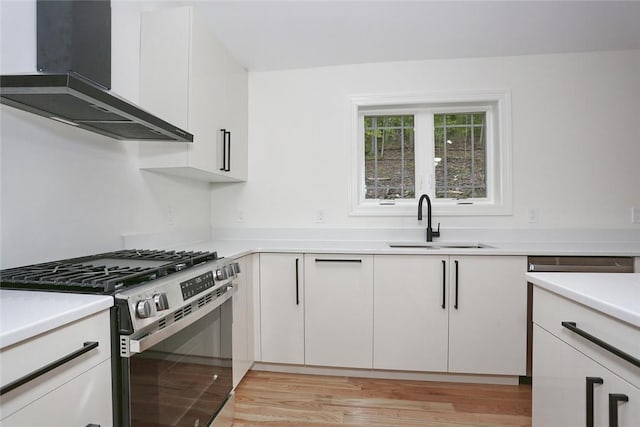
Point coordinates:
[[635, 215], [321, 216], [532, 215], [240, 216], [170, 216]]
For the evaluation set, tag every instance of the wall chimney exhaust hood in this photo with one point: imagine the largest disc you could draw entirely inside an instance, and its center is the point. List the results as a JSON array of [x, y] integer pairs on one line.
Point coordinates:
[[74, 76]]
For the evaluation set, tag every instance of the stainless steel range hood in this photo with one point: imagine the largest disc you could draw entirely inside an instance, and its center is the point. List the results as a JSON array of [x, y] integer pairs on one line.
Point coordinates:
[[74, 76]]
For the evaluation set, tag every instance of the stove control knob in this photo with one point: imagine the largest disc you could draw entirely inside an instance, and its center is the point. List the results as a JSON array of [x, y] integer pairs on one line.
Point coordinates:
[[162, 302], [219, 275], [236, 268], [145, 308]]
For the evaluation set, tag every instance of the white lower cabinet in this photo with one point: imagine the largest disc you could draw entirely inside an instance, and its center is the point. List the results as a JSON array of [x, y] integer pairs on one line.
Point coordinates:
[[411, 320], [243, 320], [488, 315], [282, 308], [463, 314], [338, 310], [83, 401], [74, 393], [564, 382]]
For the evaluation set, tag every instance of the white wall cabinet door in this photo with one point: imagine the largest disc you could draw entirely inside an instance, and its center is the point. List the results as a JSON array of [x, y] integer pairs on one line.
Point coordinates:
[[410, 313], [487, 315], [339, 310], [282, 300], [188, 77], [560, 387]]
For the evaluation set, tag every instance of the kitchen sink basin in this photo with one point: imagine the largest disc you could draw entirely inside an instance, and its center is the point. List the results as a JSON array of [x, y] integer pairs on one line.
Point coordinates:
[[438, 245]]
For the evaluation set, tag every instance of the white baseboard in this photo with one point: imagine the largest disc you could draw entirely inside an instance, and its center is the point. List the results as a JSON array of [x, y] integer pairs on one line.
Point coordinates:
[[383, 374]]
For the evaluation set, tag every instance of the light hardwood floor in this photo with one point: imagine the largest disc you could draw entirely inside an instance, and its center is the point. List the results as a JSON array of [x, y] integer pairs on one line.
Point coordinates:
[[276, 399]]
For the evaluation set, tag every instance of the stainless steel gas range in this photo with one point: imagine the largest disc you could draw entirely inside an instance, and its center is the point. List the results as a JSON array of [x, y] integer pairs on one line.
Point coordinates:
[[171, 329]]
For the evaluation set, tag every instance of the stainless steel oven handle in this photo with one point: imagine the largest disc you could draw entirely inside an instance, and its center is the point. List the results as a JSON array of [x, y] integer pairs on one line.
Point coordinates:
[[148, 341]]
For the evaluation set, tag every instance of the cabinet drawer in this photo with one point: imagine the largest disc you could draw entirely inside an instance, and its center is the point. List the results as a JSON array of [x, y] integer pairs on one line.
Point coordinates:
[[550, 310], [28, 356], [82, 401]]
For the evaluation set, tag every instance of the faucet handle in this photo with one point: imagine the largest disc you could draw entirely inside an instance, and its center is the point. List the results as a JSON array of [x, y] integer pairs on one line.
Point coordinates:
[[436, 233]]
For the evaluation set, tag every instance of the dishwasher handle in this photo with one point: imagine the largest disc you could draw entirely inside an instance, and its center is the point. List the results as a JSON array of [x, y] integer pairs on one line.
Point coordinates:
[[546, 268]]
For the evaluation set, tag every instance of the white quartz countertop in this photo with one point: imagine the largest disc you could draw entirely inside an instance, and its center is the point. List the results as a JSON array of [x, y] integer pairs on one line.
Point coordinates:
[[615, 294], [237, 248], [25, 314]]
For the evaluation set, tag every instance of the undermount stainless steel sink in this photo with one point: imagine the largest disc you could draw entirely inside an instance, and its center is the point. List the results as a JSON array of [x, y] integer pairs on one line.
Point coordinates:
[[438, 245]]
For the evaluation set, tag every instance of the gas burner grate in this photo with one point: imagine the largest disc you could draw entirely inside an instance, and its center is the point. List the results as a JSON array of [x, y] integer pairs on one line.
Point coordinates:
[[103, 273]]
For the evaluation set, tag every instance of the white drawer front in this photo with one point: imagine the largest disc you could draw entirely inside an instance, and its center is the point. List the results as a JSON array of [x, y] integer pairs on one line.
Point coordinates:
[[82, 401], [28, 356], [550, 310]]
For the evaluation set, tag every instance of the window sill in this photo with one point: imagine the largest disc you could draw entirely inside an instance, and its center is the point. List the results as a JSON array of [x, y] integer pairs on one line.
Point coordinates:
[[439, 209]]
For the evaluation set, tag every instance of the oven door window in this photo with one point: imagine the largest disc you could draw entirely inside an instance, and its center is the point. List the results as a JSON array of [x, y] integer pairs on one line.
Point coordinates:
[[185, 379]]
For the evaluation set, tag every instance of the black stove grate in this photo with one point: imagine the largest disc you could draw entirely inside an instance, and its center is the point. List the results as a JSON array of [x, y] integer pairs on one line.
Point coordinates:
[[103, 273]]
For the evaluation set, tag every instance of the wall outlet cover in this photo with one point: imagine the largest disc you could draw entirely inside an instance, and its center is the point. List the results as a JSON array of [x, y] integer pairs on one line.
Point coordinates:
[[321, 216], [635, 215]]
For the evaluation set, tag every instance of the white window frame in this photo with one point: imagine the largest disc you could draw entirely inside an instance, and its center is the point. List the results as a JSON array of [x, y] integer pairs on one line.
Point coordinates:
[[496, 104]]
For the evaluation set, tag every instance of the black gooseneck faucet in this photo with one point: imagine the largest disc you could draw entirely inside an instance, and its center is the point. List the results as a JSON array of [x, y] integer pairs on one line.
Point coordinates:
[[430, 233]]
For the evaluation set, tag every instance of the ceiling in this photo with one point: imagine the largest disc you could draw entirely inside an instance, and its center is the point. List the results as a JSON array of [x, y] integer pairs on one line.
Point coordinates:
[[272, 35]]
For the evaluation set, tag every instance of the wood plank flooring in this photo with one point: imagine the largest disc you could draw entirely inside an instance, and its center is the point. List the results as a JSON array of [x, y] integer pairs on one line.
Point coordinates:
[[277, 399]]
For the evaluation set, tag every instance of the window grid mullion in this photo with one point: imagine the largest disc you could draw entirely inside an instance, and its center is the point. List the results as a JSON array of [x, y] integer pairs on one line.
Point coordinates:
[[444, 161], [402, 158], [375, 157], [473, 163]]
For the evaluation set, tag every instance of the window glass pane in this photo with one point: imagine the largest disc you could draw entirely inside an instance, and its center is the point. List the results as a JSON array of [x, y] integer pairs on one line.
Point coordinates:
[[389, 157], [460, 155]]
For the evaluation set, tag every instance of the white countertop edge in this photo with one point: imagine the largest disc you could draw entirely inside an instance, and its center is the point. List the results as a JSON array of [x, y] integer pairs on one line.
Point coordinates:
[[39, 325], [238, 248], [546, 281]]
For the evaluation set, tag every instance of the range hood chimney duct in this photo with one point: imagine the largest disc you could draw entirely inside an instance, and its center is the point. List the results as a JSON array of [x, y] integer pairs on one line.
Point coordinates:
[[73, 78]]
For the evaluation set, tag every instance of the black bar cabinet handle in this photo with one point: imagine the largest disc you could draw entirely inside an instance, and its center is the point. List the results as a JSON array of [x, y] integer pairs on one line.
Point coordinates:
[[613, 407], [590, 383], [597, 341], [297, 283], [337, 260], [87, 346], [93, 425], [444, 282], [228, 169], [224, 149], [455, 305]]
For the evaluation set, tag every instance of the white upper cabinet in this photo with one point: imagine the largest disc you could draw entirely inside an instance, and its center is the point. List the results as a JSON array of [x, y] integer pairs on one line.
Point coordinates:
[[188, 77]]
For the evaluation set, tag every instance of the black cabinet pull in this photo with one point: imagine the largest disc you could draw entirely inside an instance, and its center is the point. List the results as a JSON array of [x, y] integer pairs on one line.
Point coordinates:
[[455, 305], [87, 346], [337, 260], [226, 150], [444, 282], [590, 383], [93, 425], [228, 169], [613, 407], [597, 341], [297, 283]]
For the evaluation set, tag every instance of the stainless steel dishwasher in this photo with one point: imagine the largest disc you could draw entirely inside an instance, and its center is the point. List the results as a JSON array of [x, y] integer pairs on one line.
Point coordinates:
[[569, 264]]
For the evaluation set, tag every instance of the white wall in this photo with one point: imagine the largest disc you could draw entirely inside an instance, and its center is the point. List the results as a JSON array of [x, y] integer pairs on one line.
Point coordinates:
[[576, 140], [66, 192]]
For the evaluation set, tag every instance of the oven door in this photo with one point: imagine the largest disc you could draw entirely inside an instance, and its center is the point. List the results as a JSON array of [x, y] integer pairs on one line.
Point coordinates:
[[185, 378]]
